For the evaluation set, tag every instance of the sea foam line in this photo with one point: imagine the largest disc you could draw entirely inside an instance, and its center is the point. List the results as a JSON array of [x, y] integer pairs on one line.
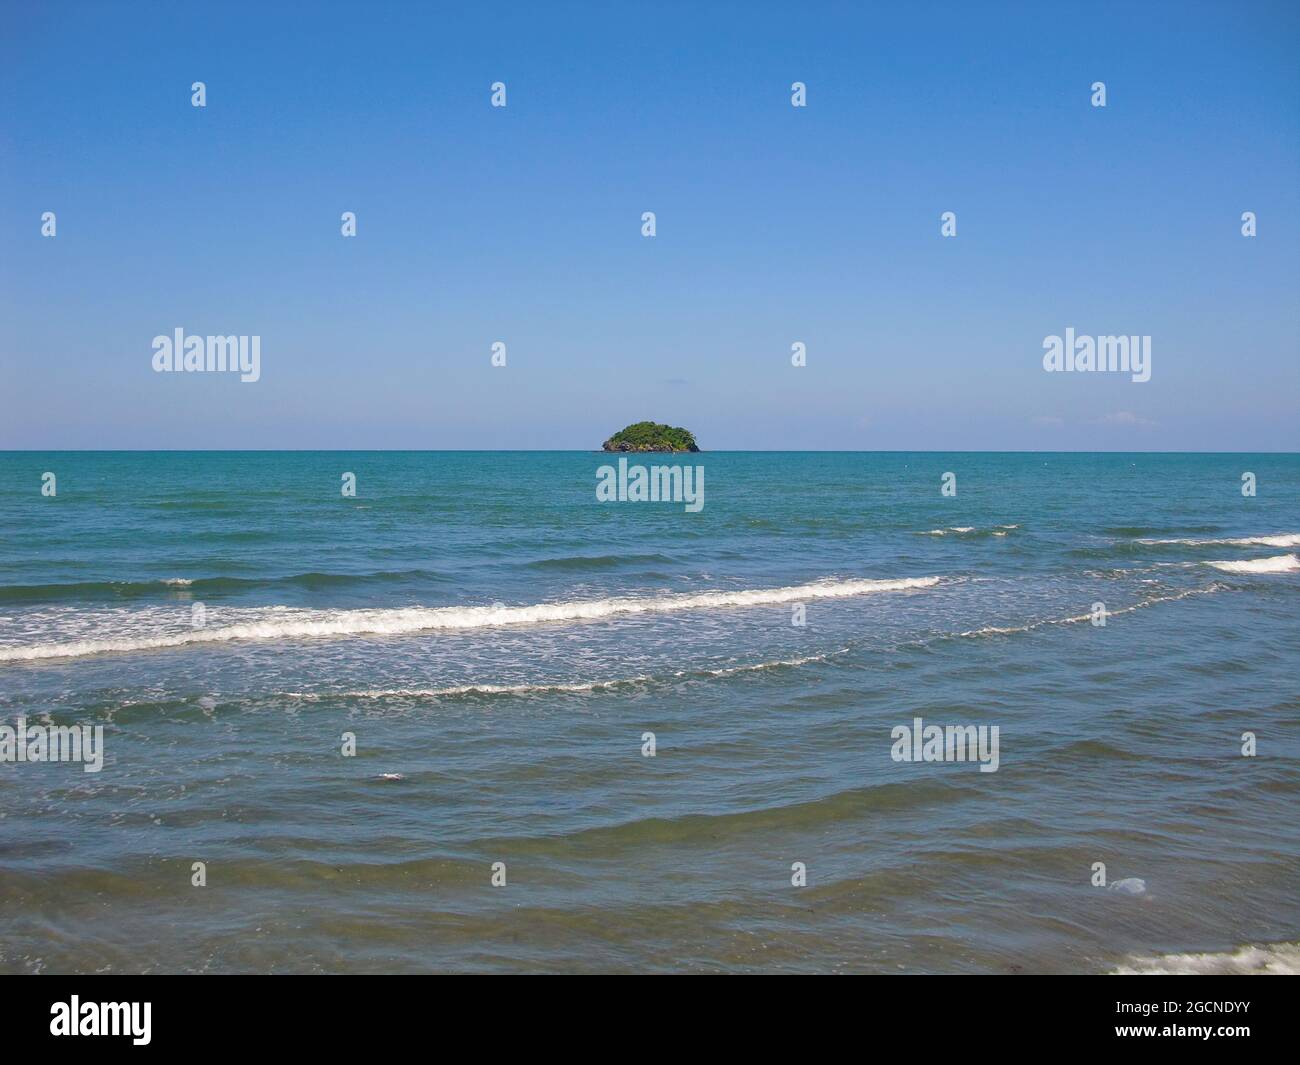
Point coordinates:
[[993, 630], [1280, 540], [464, 689], [1269, 959], [401, 620], [962, 530], [1275, 564], [544, 686]]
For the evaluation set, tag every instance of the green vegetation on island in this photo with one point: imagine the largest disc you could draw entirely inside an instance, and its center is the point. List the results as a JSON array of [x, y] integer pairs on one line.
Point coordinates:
[[651, 436]]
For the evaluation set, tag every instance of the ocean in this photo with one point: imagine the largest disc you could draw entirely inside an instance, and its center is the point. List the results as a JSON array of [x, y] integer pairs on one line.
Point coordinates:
[[630, 737]]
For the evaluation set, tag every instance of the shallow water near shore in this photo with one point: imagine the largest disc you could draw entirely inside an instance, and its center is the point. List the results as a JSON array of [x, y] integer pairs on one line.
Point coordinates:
[[499, 643]]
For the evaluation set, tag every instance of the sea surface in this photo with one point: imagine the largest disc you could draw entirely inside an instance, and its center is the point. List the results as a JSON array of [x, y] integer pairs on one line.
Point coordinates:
[[499, 644]]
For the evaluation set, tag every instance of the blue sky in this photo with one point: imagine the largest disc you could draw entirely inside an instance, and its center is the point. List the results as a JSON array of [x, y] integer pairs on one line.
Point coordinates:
[[775, 224]]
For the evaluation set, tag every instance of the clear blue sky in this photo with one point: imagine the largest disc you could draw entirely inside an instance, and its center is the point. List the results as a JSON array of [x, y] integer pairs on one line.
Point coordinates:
[[775, 224]]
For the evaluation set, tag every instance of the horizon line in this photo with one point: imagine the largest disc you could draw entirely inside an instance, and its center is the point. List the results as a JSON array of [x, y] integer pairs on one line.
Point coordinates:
[[598, 451]]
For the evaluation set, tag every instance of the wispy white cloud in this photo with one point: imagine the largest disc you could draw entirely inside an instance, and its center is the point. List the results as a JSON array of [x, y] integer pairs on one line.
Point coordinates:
[[1127, 418]]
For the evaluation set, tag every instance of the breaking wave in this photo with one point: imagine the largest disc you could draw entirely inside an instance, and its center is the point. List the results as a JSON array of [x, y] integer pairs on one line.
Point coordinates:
[[286, 624], [1281, 540], [966, 530], [1275, 564], [1274, 959]]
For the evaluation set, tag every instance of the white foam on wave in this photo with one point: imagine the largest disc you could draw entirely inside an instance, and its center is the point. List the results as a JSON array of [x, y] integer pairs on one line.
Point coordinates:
[[283, 623], [1272, 959], [1077, 619], [962, 530], [543, 686], [1280, 540], [461, 689], [1275, 564], [779, 663]]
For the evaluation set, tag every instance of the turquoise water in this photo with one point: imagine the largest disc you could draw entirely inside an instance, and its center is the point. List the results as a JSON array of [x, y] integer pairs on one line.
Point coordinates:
[[499, 643]]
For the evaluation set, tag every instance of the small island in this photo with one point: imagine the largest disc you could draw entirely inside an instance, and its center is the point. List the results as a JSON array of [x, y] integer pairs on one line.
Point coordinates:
[[651, 436]]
